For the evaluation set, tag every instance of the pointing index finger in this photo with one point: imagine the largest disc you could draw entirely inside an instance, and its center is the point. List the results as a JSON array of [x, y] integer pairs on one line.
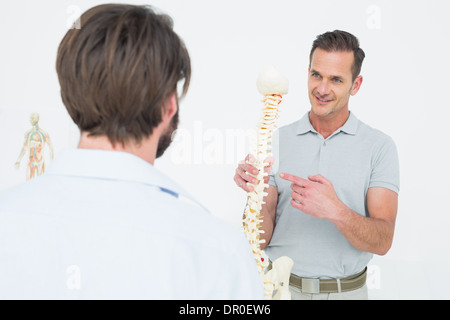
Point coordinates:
[[297, 180]]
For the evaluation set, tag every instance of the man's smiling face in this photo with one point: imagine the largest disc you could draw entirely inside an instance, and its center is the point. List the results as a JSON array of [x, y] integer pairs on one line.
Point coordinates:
[[330, 82]]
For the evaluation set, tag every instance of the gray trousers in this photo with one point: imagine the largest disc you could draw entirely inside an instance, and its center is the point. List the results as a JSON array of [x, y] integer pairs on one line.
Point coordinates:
[[358, 294]]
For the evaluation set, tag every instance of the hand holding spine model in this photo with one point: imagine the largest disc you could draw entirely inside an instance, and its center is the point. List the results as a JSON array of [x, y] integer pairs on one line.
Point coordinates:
[[273, 86]]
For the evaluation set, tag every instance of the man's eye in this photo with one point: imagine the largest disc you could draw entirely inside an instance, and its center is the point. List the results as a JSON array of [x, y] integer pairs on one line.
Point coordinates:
[[337, 80], [315, 75]]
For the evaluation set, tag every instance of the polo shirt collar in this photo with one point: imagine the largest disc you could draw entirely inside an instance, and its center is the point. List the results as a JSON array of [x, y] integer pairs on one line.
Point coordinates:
[[304, 125], [349, 127], [115, 166]]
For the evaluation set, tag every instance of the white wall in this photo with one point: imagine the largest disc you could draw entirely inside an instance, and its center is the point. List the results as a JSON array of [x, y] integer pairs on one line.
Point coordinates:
[[405, 93]]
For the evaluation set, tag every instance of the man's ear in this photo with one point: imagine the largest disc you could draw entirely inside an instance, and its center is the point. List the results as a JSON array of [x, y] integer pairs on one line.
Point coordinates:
[[170, 106], [356, 85]]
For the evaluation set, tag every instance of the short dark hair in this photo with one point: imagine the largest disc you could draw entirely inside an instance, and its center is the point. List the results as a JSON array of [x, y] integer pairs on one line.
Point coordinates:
[[338, 40], [118, 69]]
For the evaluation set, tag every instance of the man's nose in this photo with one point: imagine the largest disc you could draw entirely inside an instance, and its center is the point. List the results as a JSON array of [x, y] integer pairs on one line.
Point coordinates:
[[324, 88]]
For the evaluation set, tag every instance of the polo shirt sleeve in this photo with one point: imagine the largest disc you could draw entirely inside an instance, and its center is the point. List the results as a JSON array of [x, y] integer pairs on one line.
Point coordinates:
[[272, 179], [385, 166], [274, 169]]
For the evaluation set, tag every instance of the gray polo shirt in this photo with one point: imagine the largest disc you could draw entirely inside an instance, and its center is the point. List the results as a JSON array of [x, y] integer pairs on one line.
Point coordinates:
[[354, 158]]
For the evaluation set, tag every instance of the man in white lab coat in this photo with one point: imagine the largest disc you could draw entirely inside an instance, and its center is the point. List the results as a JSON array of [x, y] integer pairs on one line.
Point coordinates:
[[103, 222]]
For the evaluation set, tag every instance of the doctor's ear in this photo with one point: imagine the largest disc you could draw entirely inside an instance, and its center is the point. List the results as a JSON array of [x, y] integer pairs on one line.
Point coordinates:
[[170, 106]]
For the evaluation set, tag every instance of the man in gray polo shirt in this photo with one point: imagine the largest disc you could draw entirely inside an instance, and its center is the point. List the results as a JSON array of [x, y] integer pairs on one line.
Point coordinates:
[[332, 203]]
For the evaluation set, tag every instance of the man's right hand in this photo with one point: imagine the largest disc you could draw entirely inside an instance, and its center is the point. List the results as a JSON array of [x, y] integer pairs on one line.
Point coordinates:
[[242, 177]]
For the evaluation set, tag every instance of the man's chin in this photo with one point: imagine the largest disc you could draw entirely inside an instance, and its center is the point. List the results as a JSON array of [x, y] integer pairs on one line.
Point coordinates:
[[321, 111]]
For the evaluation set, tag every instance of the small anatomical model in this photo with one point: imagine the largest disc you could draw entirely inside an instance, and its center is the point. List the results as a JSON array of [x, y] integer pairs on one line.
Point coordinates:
[[35, 141]]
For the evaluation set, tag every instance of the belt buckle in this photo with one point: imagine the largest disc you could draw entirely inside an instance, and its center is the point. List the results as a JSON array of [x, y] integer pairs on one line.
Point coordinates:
[[310, 285]]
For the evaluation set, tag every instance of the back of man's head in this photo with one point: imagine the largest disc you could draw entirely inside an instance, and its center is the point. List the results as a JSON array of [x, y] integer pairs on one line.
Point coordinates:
[[117, 70]]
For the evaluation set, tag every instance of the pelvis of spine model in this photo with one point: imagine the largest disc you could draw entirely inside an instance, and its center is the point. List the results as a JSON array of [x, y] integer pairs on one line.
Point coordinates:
[[277, 279], [273, 86]]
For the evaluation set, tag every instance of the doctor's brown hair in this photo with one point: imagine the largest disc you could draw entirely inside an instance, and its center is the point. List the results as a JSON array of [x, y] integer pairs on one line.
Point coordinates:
[[118, 69], [338, 40]]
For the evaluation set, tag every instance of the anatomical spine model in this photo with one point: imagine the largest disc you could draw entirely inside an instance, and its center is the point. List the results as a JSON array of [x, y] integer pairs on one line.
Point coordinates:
[[273, 86]]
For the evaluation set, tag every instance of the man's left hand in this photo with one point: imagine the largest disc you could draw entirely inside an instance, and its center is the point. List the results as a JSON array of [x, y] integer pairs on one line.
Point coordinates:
[[315, 196]]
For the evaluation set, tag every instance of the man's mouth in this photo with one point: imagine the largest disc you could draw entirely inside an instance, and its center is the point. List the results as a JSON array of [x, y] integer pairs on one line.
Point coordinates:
[[322, 101]]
